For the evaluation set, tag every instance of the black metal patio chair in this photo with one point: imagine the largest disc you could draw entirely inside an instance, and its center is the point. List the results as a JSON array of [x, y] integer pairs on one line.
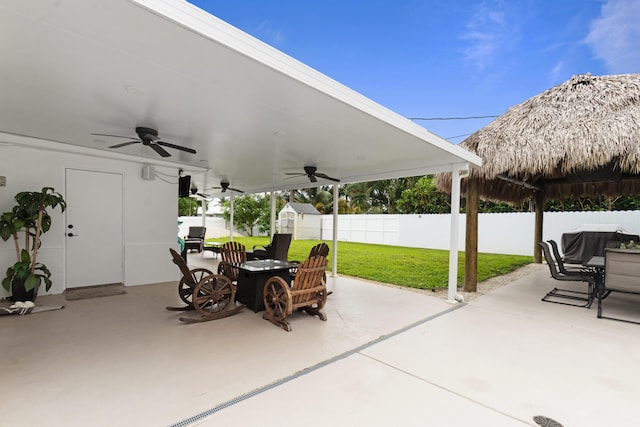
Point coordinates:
[[577, 298]]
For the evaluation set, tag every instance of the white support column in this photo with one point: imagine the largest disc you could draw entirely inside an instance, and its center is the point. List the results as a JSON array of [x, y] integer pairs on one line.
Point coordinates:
[[273, 214], [334, 256], [205, 203], [231, 217], [458, 172]]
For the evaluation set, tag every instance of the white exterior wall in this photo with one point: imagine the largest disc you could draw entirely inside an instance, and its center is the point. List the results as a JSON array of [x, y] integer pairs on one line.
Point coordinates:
[[501, 233], [149, 217]]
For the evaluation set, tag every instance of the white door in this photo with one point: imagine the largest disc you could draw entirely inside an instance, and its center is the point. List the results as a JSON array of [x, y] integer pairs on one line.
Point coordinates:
[[94, 243]]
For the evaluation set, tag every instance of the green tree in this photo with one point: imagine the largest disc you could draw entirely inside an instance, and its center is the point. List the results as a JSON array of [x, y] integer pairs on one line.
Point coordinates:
[[320, 197], [378, 196], [423, 198], [188, 206], [247, 211], [264, 222]]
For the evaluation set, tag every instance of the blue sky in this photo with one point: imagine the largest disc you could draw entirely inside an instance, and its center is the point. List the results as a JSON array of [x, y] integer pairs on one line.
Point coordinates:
[[446, 58]]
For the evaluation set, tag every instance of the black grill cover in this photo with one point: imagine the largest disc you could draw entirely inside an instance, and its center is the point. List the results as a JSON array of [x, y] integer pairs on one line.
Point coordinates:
[[580, 246]]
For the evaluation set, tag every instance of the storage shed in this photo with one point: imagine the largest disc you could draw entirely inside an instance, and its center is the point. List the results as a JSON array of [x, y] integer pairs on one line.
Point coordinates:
[[302, 220]]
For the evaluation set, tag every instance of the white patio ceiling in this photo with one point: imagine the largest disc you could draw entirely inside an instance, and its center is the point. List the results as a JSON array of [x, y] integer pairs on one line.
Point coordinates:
[[76, 67]]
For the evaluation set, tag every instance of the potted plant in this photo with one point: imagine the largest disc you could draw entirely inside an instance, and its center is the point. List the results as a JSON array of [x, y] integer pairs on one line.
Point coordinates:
[[30, 218]]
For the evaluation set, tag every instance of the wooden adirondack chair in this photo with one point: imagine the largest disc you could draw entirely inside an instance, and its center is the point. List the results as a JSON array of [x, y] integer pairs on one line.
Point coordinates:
[[308, 292], [231, 254], [211, 295], [321, 249]]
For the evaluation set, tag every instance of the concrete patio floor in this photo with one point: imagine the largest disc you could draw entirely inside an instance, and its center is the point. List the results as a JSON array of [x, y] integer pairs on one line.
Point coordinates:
[[385, 356]]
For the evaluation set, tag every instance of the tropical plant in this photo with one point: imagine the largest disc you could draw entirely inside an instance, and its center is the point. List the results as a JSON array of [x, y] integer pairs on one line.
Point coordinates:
[[247, 211], [424, 197], [29, 216], [188, 206]]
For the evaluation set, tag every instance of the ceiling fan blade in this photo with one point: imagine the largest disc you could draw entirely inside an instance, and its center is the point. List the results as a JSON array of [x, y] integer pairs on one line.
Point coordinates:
[[325, 176], [295, 173], [236, 190], [204, 195], [113, 136], [159, 150], [176, 147], [124, 144]]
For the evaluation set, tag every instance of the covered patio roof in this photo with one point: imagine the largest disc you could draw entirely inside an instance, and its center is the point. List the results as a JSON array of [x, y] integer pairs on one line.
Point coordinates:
[[253, 114]]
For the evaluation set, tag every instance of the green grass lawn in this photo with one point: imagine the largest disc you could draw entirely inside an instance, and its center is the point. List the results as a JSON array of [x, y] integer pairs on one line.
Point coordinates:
[[411, 267]]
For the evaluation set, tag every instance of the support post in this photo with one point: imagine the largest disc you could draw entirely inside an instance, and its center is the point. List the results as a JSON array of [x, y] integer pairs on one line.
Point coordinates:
[[539, 202], [231, 217], [334, 252], [272, 225], [471, 241], [205, 204], [458, 172]]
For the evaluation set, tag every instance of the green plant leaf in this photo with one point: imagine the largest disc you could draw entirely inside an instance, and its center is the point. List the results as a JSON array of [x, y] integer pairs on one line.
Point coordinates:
[[6, 283], [31, 282], [47, 283], [24, 256], [43, 268]]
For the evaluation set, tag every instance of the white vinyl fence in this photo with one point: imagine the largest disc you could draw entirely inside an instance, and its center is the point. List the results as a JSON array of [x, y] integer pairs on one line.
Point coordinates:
[[501, 233]]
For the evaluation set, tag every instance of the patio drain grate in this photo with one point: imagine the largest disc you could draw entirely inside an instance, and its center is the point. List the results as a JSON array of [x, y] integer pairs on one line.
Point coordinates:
[[275, 384], [546, 421]]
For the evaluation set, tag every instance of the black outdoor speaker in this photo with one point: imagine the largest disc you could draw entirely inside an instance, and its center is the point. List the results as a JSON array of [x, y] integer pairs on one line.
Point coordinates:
[[184, 186]]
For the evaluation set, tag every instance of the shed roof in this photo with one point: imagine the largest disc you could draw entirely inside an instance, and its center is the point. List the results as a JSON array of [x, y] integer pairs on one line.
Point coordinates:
[[305, 208]]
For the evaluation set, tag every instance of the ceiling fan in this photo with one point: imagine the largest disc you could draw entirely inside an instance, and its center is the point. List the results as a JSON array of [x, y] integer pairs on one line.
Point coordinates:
[[224, 186], [148, 137], [310, 172]]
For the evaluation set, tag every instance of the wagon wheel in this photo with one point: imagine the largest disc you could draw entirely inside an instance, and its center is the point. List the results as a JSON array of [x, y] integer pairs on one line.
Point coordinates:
[[322, 299], [213, 294], [277, 301], [185, 290]]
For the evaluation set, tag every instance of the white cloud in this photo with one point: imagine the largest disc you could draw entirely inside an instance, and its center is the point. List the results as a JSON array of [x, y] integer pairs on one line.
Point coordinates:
[[614, 36], [556, 72], [488, 33], [269, 34]]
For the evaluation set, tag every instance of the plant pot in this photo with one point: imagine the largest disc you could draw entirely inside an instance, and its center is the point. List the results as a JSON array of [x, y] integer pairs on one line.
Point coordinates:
[[19, 293]]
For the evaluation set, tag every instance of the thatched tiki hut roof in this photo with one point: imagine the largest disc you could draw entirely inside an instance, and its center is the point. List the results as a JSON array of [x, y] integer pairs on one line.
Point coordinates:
[[581, 138]]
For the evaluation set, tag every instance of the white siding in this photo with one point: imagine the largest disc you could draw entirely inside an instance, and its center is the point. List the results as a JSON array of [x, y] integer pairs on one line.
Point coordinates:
[[150, 212]]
